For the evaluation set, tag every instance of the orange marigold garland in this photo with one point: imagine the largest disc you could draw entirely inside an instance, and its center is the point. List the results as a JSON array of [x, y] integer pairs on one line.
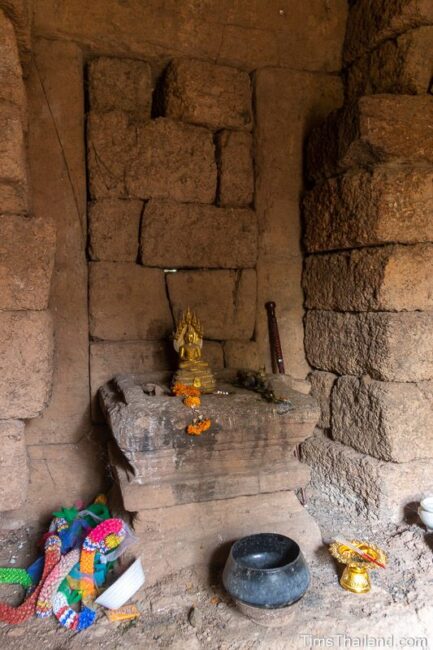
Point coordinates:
[[198, 426], [192, 399]]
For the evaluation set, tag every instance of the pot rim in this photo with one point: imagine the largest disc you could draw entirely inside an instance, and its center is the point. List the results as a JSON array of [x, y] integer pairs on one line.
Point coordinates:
[[270, 569]]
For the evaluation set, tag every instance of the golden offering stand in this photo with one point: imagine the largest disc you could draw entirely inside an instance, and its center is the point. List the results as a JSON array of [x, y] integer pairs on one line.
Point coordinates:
[[355, 576]]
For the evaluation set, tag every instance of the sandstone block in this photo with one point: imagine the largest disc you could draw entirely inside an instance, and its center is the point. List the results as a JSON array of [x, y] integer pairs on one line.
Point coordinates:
[[386, 346], [11, 81], [362, 208], [127, 302], [108, 359], [242, 354], [370, 23], [322, 384], [362, 134], [172, 160], [26, 360], [400, 66], [27, 249], [175, 235], [390, 421], [12, 156], [111, 144], [13, 465], [225, 301], [204, 93], [371, 279], [362, 485], [185, 535], [121, 84], [13, 198], [235, 165], [114, 229], [213, 353]]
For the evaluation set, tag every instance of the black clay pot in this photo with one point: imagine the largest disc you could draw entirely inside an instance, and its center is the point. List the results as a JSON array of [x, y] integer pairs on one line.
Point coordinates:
[[266, 570]]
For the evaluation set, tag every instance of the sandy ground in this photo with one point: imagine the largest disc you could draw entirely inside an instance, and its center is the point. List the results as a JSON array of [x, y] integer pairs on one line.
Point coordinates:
[[187, 612]]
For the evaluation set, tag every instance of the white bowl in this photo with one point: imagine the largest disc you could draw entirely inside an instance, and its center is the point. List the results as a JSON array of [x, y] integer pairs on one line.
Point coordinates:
[[426, 518], [124, 587], [427, 504]]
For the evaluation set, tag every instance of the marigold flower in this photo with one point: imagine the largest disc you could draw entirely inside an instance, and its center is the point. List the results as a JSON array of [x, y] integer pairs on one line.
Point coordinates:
[[185, 391], [192, 402], [198, 428]]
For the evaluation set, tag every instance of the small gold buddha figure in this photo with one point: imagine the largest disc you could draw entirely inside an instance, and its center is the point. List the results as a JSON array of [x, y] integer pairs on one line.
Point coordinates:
[[188, 343]]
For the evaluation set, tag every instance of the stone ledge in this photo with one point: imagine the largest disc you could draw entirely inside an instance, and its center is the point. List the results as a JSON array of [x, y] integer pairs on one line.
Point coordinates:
[[176, 235], [386, 346], [390, 421]]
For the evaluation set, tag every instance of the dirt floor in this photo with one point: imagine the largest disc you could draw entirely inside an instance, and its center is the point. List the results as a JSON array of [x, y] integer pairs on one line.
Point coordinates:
[[187, 612]]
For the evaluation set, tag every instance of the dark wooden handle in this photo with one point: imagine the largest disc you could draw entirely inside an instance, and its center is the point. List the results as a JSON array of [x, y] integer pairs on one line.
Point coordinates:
[[274, 340]]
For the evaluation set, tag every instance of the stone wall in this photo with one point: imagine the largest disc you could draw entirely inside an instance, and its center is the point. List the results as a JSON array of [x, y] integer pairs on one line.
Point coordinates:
[[27, 245], [205, 183], [368, 277]]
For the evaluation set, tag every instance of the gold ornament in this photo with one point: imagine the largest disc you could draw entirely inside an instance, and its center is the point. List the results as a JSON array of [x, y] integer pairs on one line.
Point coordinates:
[[188, 343], [355, 576]]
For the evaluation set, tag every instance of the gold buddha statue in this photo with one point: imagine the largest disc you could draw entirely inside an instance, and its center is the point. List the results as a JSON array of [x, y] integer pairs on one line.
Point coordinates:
[[188, 343]]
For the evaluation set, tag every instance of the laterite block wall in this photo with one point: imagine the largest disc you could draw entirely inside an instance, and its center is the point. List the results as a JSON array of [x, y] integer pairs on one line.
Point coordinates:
[[368, 277]]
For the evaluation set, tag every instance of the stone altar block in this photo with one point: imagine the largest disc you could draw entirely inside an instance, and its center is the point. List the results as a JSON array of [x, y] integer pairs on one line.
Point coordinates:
[[191, 496]]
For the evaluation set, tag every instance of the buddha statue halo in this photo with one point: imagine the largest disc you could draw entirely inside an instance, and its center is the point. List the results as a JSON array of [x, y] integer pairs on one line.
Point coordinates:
[[188, 343]]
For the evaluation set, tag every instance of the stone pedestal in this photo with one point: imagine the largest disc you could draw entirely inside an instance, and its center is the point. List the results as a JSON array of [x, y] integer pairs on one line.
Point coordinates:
[[192, 496]]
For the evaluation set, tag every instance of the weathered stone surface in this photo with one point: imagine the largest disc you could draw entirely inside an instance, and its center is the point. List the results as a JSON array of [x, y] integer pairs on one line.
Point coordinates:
[[11, 81], [19, 13], [114, 226], [12, 157], [215, 96], [175, 235], [57, 168], [241, 354], [111, 144], [363, 207], [235, 165], [225, 301], [400, 66], [13, 198], [322, 384], [108, 359], [61, 474], [363, 134], [386, 346], [121, 84], [26, 362], [27, 247], [362, 485], [390, 421], [371, 279], [288, 105], [127, 302], [14, 473], [306, 36], [252, 478], [185, 535], [243, 427], [370, 23], [172, 160]]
